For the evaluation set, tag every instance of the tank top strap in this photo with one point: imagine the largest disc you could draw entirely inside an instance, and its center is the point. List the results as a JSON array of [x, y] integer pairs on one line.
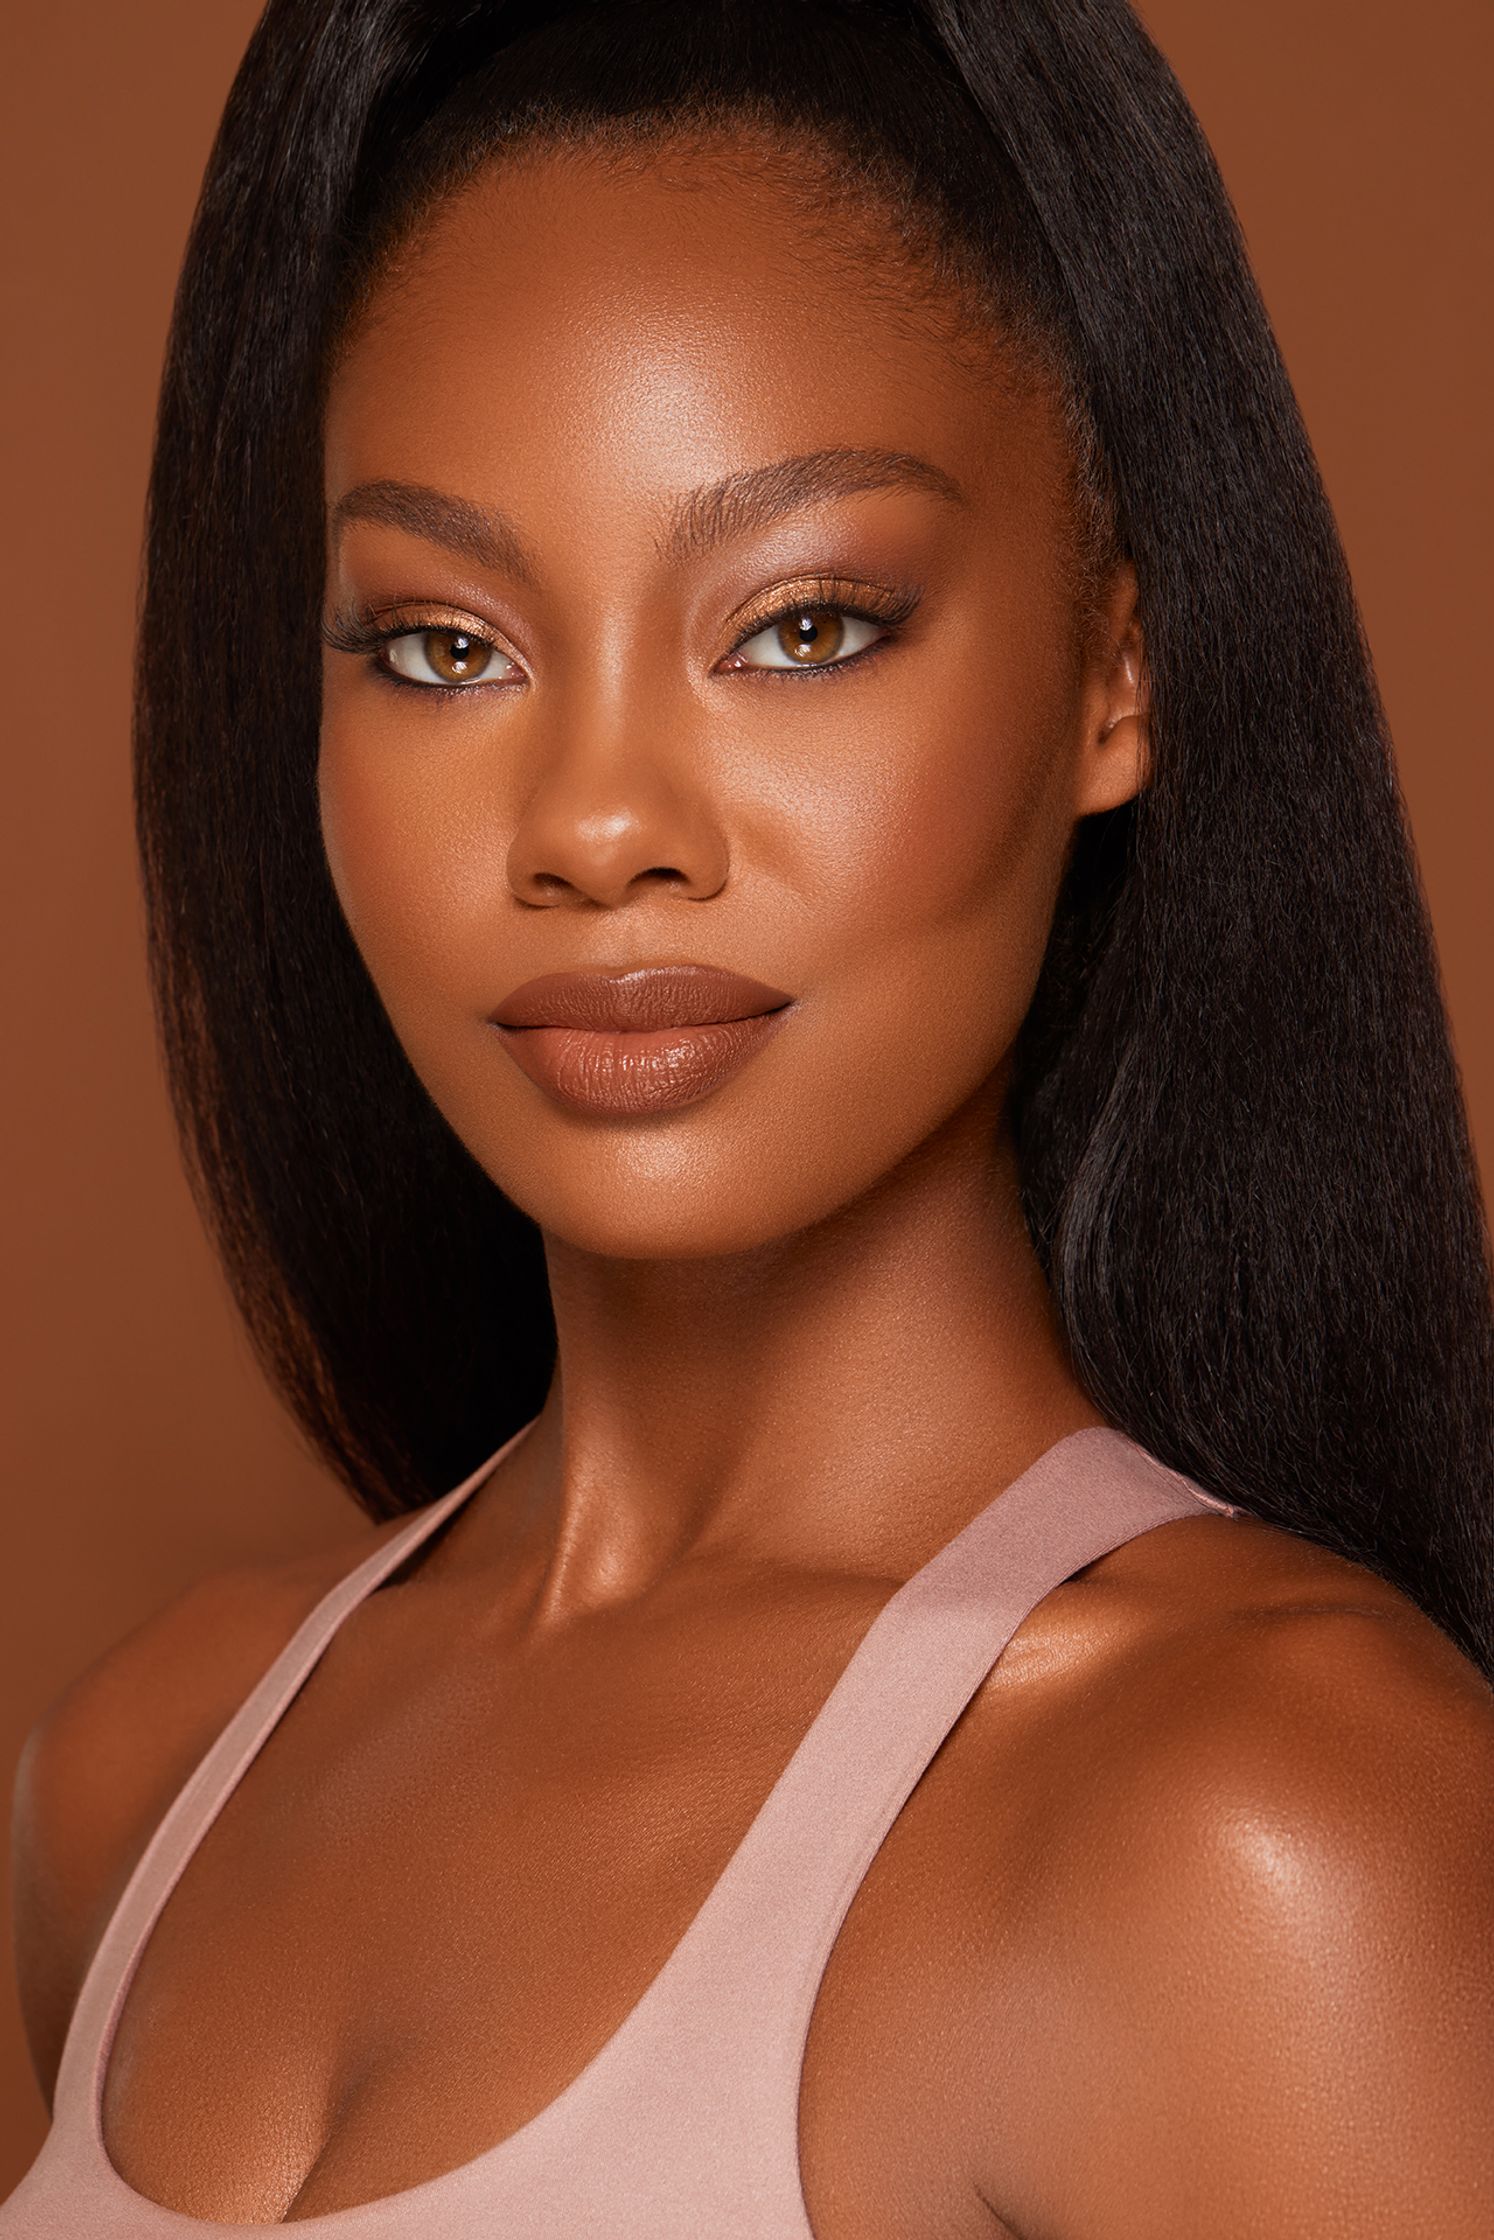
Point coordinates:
[[208, 1788], [715, 2049], [912, 1675]]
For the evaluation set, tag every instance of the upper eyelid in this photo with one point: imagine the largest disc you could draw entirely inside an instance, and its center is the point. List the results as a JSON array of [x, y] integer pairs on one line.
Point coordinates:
[[841, 598], [359, 621], [814, 588]]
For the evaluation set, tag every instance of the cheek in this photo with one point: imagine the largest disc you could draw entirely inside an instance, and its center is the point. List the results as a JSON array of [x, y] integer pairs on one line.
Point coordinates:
[[413, 851], [952, 845]]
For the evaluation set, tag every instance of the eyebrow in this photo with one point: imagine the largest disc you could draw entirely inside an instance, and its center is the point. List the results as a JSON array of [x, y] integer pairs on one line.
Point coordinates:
[[474, 532], [699, 520], [749, 500]]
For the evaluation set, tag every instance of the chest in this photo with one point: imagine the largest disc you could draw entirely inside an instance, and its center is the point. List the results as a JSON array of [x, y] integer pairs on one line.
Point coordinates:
[[422, 1913]]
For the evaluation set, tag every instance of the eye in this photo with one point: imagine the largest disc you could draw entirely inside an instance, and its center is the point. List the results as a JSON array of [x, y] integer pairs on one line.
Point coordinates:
[[807, 637], [444, 658]]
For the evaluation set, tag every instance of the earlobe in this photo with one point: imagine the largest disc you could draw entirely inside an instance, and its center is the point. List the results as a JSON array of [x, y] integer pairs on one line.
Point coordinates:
[[1116, 750]]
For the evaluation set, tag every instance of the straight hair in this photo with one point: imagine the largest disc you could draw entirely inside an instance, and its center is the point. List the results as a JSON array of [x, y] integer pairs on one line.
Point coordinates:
[[1243, 1147]]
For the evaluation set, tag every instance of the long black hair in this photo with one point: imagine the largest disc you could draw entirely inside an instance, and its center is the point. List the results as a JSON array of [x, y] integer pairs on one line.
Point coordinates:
[[1243, 1147]]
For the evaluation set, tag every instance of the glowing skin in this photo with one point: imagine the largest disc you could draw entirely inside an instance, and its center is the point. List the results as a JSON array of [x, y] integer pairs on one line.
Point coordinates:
[[1193, 1895], [883, 841]]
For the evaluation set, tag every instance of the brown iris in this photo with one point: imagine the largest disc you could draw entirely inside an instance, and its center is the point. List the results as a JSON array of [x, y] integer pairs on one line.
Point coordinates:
[[812, 634], [454, 655]]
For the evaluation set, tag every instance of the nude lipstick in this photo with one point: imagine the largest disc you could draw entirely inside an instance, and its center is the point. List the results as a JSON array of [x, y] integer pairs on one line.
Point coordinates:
[[645, 1039]]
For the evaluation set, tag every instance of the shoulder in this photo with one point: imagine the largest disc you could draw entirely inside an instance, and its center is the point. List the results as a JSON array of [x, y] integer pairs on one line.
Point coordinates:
[[1275, 1901], [106, 1758], [1304, 1719]]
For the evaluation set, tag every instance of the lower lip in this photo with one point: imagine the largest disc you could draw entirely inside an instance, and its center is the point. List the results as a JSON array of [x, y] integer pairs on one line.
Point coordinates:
[[626, 1074]]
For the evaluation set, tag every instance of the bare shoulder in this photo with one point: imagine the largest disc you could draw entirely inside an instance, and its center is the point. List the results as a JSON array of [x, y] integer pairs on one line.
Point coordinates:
[[1272, 1885], [106, 1758]]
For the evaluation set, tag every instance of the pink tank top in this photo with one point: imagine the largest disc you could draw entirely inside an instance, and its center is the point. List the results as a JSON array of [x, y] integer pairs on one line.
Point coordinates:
[[686, 2122]]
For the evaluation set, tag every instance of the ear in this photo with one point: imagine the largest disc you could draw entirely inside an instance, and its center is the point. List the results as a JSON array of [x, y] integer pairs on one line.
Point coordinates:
[[1114, 758]]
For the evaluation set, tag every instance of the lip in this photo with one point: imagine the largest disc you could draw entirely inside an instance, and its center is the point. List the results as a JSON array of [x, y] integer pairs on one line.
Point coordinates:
[[645, 1038], [634, 998]]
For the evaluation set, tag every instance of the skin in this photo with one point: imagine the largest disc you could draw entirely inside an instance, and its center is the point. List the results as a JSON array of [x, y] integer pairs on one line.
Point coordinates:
[[1188, 1927]]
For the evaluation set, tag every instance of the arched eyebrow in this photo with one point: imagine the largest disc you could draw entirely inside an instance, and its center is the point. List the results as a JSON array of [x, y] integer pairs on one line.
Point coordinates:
[[739, 502], [473, 532], [698, 521]]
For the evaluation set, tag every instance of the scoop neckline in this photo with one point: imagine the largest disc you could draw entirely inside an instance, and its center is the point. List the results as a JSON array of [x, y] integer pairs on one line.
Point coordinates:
[[378, 2211]]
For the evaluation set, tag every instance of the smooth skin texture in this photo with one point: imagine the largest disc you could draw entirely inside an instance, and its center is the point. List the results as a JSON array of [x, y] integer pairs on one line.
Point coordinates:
[[1188, 1927]]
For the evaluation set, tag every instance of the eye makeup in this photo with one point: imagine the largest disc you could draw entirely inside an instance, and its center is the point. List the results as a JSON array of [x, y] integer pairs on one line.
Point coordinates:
[[368, 631]]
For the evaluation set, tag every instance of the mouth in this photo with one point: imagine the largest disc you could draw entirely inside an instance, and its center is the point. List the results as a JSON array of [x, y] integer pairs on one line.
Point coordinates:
[[646, 1039]]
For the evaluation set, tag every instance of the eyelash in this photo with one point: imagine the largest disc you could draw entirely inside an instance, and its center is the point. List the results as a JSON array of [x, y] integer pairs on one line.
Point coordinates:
[[357, 631]]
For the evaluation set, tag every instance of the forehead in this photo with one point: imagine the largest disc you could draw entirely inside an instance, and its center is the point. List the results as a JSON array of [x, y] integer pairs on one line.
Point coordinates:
[[568, 326]]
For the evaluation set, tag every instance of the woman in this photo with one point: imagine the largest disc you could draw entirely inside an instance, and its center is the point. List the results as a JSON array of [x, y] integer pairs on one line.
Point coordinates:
[[816, 1034]]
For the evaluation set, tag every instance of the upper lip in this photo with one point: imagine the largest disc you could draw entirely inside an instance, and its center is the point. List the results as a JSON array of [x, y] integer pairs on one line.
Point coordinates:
[[635, 998]]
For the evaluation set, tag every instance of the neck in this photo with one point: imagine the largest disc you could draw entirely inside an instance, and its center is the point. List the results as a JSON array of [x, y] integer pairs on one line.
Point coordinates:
[[841, 1400]]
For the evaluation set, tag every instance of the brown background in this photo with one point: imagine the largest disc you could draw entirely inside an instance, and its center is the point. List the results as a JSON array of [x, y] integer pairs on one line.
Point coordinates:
[[141, 1447]]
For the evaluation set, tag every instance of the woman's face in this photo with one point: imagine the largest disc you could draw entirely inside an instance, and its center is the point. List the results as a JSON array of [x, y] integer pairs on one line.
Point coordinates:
[[602, 425]]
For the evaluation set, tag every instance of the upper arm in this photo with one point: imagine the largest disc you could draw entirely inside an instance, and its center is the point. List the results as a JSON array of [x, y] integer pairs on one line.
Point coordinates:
[[104, 1762], [1276, 2011]]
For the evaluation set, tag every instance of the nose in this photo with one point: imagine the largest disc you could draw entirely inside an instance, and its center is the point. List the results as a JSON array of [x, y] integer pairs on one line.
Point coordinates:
[[609, 817]]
